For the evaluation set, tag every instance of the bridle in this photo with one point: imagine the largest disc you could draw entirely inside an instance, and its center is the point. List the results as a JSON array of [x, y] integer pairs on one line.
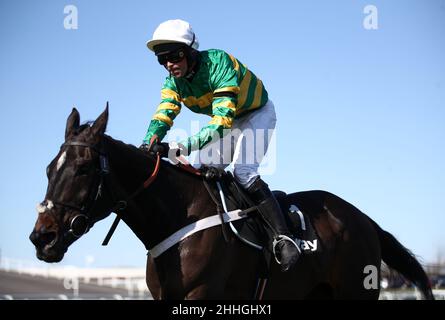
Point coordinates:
[[82, 222]]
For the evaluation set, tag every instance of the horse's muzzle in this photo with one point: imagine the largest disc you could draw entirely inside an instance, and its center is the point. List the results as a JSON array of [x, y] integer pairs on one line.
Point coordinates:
[[46, 245]]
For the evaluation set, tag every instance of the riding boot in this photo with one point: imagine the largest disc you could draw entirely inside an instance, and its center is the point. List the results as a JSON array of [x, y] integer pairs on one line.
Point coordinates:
[[285, 249]]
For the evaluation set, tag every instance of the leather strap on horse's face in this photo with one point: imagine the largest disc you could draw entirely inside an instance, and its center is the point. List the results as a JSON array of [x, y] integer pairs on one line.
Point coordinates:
[[83, 220]]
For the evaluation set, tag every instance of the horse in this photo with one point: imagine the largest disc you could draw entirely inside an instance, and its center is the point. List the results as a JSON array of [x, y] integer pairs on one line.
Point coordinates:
[[93, 175]]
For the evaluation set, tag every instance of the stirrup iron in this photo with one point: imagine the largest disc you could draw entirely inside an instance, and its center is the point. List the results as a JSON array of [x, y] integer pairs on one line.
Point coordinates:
[[280, 238]]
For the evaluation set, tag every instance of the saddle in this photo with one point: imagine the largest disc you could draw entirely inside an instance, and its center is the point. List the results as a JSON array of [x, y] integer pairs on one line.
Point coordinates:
[[251, 231]]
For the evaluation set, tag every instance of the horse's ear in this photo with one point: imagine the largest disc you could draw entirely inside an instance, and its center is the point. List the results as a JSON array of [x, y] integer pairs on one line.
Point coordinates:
[[100, 124], [72, 122]]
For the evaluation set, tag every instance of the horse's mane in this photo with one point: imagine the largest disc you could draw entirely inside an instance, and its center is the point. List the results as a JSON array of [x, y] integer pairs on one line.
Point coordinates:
[[129, 149], [82, 127], [87, 124], [140, 156]]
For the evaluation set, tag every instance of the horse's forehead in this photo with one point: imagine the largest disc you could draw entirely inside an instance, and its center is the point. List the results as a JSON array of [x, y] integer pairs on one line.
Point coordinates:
[[61, 161], [78, 155], [70, 155]]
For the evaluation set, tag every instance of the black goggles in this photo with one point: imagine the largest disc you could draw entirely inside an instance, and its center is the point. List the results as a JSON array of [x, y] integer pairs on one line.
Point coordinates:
[[173, 57]]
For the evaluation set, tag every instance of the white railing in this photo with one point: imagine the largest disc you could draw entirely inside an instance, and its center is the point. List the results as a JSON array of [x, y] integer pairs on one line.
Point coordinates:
[[409, 294], [131, 279]]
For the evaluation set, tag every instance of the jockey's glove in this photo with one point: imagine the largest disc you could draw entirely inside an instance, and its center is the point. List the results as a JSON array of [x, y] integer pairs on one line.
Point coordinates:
[[144, 147], [160, 148], [170, 150]]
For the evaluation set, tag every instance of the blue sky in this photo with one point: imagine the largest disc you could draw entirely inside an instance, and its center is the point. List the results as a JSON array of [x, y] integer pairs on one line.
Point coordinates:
[[360, 112]]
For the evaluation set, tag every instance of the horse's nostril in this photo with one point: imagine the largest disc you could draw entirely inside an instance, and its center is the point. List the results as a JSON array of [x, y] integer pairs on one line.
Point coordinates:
[[48, 237], [40, 239]]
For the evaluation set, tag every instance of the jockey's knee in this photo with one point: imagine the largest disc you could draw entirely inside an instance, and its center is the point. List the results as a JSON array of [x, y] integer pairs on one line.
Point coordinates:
[[214, 165], [245, 175]]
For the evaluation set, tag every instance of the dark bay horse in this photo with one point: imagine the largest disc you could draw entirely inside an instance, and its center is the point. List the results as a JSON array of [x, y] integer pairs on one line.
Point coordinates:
[[93, 173]]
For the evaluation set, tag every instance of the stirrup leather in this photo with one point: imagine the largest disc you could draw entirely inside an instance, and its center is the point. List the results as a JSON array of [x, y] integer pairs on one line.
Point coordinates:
[[280, 238]]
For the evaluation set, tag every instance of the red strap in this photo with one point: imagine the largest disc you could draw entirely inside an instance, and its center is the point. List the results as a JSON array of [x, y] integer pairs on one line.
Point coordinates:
[[154, 139], [183, 164], [154, 174], [189, 168], [186, 166]]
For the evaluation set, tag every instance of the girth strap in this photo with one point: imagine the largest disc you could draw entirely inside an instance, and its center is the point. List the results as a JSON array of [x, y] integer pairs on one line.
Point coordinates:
[[194, 227], [219, 210]]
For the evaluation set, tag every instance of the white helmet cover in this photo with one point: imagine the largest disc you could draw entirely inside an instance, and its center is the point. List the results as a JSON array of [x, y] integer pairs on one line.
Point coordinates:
[[173, 31]]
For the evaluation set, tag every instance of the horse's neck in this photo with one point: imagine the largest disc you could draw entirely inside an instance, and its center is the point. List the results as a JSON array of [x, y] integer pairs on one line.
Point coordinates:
[[159, 210]]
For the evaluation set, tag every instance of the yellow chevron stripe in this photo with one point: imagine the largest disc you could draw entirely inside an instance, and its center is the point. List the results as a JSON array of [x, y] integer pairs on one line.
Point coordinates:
[[244, 88], [257, 95], [235, 90], [169, 106], [202, 102], [170, 94], [226, 104], [163, 118], [235, 63], [226, 122]]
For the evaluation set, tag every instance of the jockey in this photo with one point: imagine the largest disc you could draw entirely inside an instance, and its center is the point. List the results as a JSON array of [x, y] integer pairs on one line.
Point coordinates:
[[214, 83]]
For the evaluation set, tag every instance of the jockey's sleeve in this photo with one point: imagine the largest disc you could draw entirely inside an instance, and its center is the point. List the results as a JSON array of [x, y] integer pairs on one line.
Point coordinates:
[[166, 112], [224, 78]]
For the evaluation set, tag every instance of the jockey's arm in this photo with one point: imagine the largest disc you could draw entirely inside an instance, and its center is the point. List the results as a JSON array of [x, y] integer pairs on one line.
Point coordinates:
[[166, 112]]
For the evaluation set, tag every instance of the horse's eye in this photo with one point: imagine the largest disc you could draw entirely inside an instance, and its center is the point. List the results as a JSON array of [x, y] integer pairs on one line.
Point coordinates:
[[83, 170]]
